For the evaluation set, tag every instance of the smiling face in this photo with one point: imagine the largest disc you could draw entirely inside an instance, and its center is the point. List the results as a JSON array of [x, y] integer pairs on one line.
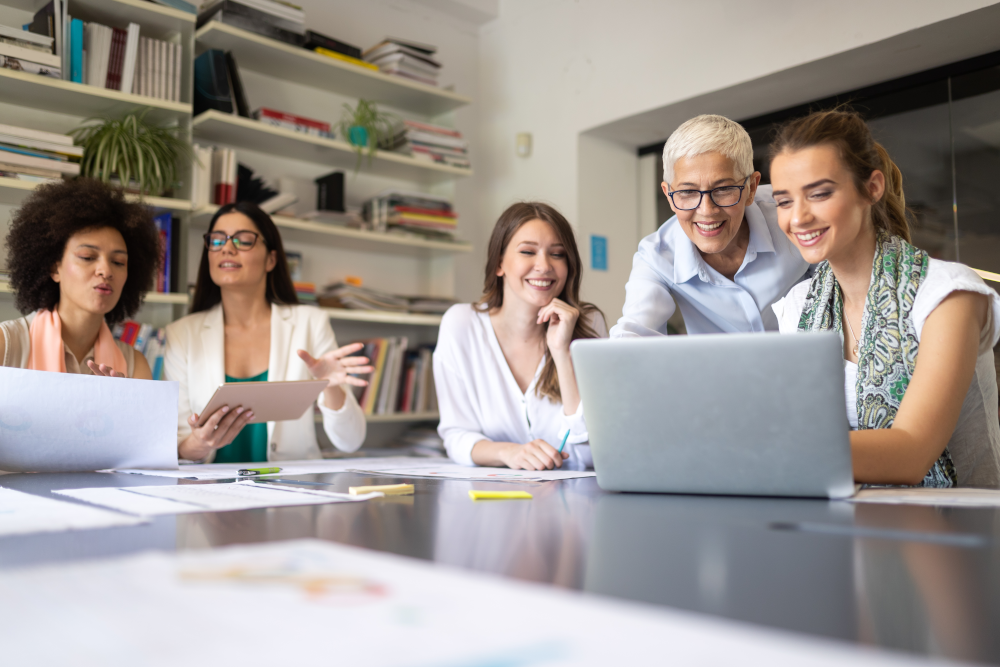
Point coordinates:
[[232, 268], [534, 265], [819, 206], [92, 271], [713, 229]]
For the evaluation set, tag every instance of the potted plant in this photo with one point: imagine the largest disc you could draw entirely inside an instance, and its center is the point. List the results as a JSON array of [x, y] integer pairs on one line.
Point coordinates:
[[140, 154], [364, 126]]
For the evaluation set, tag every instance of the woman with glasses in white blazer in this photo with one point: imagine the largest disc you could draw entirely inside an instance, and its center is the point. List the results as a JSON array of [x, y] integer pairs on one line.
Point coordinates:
[[246, 325]]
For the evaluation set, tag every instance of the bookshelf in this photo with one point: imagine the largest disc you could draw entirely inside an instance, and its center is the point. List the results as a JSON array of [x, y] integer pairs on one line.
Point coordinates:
[[396, 418], [383, 317], [156, 20], [352, 239], [298, 65], [246, 133], [176, 299], [48, 94], [13, 192]]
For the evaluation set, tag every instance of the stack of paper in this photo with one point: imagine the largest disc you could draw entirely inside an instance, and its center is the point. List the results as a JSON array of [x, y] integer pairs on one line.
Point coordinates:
[[22, 513]]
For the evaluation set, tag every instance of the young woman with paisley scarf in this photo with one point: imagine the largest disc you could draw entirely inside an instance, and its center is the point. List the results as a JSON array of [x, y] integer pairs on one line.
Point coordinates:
[[918, 332]]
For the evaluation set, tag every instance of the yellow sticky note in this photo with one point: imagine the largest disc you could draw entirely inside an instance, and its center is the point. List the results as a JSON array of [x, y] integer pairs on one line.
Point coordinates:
[[388, 489], [499, 495]]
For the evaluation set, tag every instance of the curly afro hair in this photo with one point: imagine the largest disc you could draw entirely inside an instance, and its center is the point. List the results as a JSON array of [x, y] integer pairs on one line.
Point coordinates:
[[53, 213]]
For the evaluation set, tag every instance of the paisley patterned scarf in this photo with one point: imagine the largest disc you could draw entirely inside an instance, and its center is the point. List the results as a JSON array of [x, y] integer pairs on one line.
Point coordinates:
[[887, 354]]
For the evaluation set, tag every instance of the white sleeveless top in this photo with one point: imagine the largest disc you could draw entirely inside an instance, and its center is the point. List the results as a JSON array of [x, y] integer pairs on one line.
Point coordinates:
[[17, 342], [975, 443]]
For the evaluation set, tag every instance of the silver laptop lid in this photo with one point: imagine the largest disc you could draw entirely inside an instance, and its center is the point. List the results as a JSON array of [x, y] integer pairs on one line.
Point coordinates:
[[739, 414]]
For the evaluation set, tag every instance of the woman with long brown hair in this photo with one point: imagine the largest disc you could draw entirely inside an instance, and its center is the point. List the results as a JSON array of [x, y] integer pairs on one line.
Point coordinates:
[[505, 382], [917, 331]]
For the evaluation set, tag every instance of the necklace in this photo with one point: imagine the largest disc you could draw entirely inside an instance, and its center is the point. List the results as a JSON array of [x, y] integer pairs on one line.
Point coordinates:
[[848, 320]]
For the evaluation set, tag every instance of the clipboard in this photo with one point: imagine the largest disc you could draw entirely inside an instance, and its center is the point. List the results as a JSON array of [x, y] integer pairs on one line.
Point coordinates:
[[270, 401]]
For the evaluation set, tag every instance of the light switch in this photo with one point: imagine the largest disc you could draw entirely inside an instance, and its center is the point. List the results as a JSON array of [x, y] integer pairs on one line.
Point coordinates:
[[524, 144]]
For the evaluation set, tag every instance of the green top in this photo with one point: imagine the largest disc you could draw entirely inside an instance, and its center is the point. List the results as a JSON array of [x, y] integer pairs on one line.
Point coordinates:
[[250, 446]]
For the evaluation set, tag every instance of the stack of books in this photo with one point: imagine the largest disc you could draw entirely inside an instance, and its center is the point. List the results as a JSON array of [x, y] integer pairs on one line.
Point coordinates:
[[417, 212], [145, 338], [213, 176], [158, 70], [403, 380], [54, 23], [334, 48], [282, 21], [430, 143], [36, 156], [353, 297], [405, 58], [306, 291], [29, 52], [288, 121], [167, 278], [218, 85]]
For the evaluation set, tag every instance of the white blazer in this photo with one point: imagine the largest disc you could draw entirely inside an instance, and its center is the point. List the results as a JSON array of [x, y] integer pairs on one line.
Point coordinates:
[[195, 358]]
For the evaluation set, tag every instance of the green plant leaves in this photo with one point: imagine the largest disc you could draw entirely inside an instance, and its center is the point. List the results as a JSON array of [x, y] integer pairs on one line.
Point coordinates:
[[380, 126], [131, 149]]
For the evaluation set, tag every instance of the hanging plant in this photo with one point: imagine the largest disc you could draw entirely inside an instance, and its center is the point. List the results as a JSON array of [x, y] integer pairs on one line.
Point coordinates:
[[141, 155], [365, 127]]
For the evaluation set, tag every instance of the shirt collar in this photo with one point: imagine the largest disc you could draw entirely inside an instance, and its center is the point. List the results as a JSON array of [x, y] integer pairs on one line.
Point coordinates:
[[688, 261]]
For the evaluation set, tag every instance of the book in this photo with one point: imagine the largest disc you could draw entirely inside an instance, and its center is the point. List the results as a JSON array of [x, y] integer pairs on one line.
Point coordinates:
[[236, 86], [22, 170], [58, 149], [211, 83], [330, 192], [6, 148], [30, 67], [131, 56], [420, 63], [116, 59], [76, 51], [252, 20], [22, 53], [280, 13], [201, 176], [347, 59], [164, 225], [42, 40], [392, 44], [36, 135], [31, 46], [316, 40], [224, 169], [69, 168], [292, 122]]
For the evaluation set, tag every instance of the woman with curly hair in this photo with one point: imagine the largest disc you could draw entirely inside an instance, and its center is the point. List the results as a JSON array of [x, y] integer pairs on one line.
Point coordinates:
[[80, 258], [504, 378]]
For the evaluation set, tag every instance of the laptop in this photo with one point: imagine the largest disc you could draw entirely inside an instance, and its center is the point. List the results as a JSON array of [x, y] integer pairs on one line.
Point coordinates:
[[732, 414]]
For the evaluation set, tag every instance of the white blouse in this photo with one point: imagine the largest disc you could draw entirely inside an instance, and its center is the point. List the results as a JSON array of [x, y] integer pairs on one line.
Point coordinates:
[[479, 399], [975, 444]]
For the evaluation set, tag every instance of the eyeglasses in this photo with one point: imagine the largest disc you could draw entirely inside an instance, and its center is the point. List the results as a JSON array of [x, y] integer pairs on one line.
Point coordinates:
[[242, 240], [724, 197]]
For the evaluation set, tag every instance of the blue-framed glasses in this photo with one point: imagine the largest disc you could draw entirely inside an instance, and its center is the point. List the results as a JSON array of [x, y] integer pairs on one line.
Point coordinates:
[[724, 197]]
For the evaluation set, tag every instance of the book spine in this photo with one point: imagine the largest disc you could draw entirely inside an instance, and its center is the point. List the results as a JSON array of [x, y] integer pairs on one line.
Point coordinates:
[[282, 116]]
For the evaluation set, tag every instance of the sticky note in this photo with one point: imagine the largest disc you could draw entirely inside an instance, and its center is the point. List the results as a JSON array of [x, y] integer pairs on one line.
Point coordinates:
[[499, 495], [598, 252], [387, 489]]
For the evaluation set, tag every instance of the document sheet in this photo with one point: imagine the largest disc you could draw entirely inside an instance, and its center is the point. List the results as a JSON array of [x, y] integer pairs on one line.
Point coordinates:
[[209, 471], [22, 513], [961, 497], [188, 498], [62, 422], [303, 602], [446, 470]]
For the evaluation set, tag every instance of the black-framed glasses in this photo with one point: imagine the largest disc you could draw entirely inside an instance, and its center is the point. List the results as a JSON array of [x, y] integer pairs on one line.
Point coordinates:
[[724, 197], [242, 240]]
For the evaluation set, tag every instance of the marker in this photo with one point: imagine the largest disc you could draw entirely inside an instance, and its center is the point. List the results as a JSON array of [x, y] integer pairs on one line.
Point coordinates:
[[388, 489], [499, 495], [250, 472], [565, 438]]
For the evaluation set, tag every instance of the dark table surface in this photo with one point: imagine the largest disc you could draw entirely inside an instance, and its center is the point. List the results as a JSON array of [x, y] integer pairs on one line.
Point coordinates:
[[919, 579]]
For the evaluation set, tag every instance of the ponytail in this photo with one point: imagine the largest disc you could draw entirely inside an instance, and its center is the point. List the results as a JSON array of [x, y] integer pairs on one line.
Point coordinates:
[[861, 154]]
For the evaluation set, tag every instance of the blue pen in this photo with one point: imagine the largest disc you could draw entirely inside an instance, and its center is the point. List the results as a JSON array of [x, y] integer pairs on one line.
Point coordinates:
[[565, 438]]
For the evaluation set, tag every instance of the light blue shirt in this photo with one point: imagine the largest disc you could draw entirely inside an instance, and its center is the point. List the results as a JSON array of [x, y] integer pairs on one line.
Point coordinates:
[[668, 271]]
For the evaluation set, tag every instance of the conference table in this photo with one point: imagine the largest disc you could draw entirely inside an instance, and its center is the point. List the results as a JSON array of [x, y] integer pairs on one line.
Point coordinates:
[[917, 579]]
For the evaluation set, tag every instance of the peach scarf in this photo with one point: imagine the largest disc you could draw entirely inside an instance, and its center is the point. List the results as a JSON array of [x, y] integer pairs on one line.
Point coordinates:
[[48, 352]]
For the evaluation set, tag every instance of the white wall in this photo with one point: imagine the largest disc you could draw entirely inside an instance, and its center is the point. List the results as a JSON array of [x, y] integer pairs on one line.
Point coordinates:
[[562, 68]]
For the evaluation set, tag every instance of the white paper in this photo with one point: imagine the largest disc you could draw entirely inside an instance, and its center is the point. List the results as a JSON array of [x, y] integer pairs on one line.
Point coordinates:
[[961, 497], [210, 471], [455, 471], [63, 422], [22, 513], [187, 498], [286, 603]]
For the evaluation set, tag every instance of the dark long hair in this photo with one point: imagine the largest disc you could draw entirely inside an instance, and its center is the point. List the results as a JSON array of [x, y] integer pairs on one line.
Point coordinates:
[[279, 281], [510, 221], [847, 131]]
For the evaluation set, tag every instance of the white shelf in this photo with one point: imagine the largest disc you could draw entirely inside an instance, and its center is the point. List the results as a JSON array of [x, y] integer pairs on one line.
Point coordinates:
[[299, 65], [14, 191], [354, 239], [151, 297], [48, 94], [156, 21], [382, 317], [397, 417], [252, 135]]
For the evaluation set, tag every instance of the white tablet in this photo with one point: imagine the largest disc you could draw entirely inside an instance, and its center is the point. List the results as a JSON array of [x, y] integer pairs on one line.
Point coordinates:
[[270, 401]]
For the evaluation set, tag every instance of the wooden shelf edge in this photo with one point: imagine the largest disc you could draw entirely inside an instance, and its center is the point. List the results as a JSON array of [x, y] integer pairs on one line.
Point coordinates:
[[332, 144], [95, 91], [358, 234], [151, 297], [306, 54], [153, 8], [395, 417], [167, 203], [383, 317]]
